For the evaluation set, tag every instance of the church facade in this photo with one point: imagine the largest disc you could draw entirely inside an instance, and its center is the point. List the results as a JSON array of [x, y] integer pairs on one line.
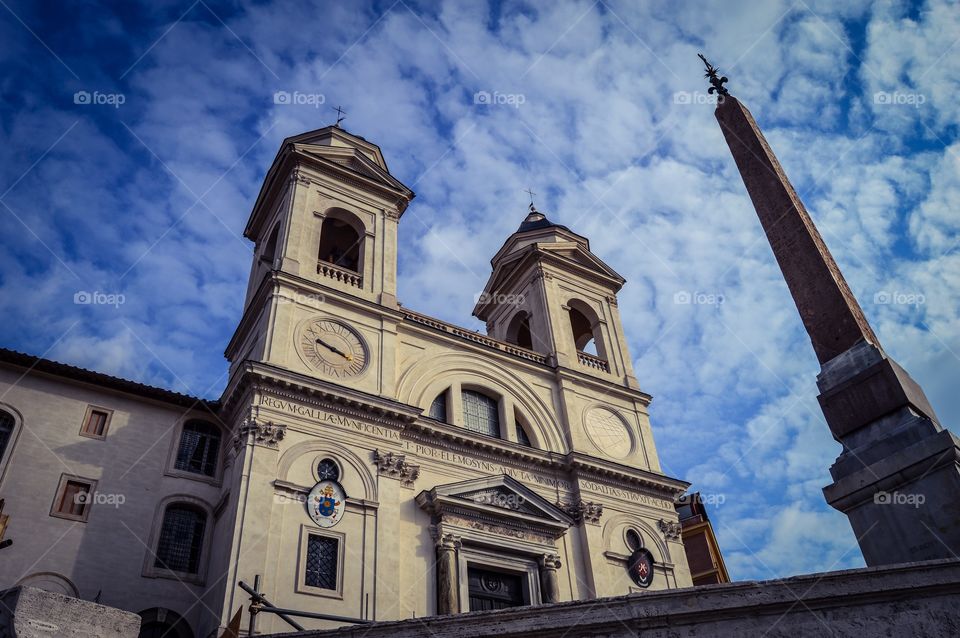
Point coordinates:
[[365, 461]]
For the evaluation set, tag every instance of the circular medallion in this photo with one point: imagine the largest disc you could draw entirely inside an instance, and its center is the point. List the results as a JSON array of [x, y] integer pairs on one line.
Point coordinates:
[[640, 567], [332, 347], [608, 432], [326, 502]]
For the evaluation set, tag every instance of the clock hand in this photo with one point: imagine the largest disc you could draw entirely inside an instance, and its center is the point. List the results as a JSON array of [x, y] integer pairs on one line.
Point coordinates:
[[335, 350]]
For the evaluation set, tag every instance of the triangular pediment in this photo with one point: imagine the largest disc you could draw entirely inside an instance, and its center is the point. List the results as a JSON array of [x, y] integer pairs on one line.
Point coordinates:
[[497, 496], [336, 137], [353, 160], [569, 256], [575, 252]]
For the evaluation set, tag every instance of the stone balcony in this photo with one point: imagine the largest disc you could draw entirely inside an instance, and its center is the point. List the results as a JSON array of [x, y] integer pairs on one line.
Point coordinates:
[[592, 361], [340, 274]]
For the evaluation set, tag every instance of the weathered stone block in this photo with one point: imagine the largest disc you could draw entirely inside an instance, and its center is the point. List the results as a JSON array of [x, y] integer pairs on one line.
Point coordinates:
[[27, 612]]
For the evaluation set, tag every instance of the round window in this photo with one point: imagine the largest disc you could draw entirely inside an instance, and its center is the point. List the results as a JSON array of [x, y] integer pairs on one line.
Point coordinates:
[[328, 470]]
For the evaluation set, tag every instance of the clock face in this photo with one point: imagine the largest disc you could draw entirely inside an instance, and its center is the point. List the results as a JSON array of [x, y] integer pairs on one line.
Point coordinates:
[[332, 348]]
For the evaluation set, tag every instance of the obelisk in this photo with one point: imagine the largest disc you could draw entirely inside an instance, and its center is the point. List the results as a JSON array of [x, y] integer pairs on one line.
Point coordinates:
[[898, 476]]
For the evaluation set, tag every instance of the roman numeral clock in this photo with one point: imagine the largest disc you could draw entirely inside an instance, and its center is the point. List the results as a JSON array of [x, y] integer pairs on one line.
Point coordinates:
[[332, 348]]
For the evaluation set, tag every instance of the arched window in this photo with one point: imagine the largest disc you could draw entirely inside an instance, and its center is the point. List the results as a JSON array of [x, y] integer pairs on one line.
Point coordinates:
[[582, 332], [270, 249], [634, 541], [523, 436], [7, 423], [518, 332], [181, 539], [481, 413], [438, 409], [199, 448], [158, 622], [340, 244]]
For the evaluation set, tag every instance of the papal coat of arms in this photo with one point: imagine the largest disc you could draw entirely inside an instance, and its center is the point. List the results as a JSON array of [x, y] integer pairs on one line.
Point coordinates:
[[326, 502]]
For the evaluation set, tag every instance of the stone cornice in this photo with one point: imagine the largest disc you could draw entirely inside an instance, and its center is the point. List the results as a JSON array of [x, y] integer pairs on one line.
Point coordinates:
[[655, 484], [312, 391], [460, 439]]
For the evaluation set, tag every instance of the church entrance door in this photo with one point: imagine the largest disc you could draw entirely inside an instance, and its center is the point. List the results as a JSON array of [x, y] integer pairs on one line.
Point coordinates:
[[494, 590]]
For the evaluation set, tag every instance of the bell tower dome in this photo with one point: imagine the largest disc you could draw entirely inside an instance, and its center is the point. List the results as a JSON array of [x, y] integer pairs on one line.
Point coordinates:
[[550, 294]]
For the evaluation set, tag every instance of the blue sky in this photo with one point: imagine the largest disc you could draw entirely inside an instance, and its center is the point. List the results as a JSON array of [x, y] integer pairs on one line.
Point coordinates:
[[135, 137]]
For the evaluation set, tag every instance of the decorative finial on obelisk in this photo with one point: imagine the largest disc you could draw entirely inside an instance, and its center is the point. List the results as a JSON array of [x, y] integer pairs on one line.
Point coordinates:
[[715, 79]]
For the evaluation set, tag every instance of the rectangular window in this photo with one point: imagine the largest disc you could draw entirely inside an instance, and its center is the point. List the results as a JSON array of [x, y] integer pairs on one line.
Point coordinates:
[[73, 498], [321, 568], [199, 448], [481, 413], [95, 422]]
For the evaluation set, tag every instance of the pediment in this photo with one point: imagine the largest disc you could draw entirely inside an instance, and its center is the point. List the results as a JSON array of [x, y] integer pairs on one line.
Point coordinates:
[[575, 252], [494, 497], [352, 160], [338, 138], [571, 256]]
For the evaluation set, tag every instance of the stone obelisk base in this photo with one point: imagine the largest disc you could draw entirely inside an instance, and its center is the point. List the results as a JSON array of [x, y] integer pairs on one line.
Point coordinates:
[[898, 477]]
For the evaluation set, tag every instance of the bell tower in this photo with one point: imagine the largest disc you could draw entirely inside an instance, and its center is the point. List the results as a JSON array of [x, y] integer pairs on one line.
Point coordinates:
[[328, 212], [325, 228], [550, 294]]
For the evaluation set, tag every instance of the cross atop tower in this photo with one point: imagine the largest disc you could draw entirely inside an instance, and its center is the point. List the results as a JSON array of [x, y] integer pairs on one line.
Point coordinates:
[[531, 194], [340, 115]]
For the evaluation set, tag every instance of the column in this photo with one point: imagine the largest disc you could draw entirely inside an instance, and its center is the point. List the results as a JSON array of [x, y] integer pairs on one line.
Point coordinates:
[[448, 588], [549, 580]]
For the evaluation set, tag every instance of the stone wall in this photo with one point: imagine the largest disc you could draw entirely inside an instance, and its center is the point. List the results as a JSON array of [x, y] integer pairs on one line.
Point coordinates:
[[26, 612], [912, 599]]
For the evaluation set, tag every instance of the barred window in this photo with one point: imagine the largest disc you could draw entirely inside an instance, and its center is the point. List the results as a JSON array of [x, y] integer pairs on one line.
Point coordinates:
[[438, 409], [481, 413], [322, 554], [6, 431], [181, 539], [199, 448]]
